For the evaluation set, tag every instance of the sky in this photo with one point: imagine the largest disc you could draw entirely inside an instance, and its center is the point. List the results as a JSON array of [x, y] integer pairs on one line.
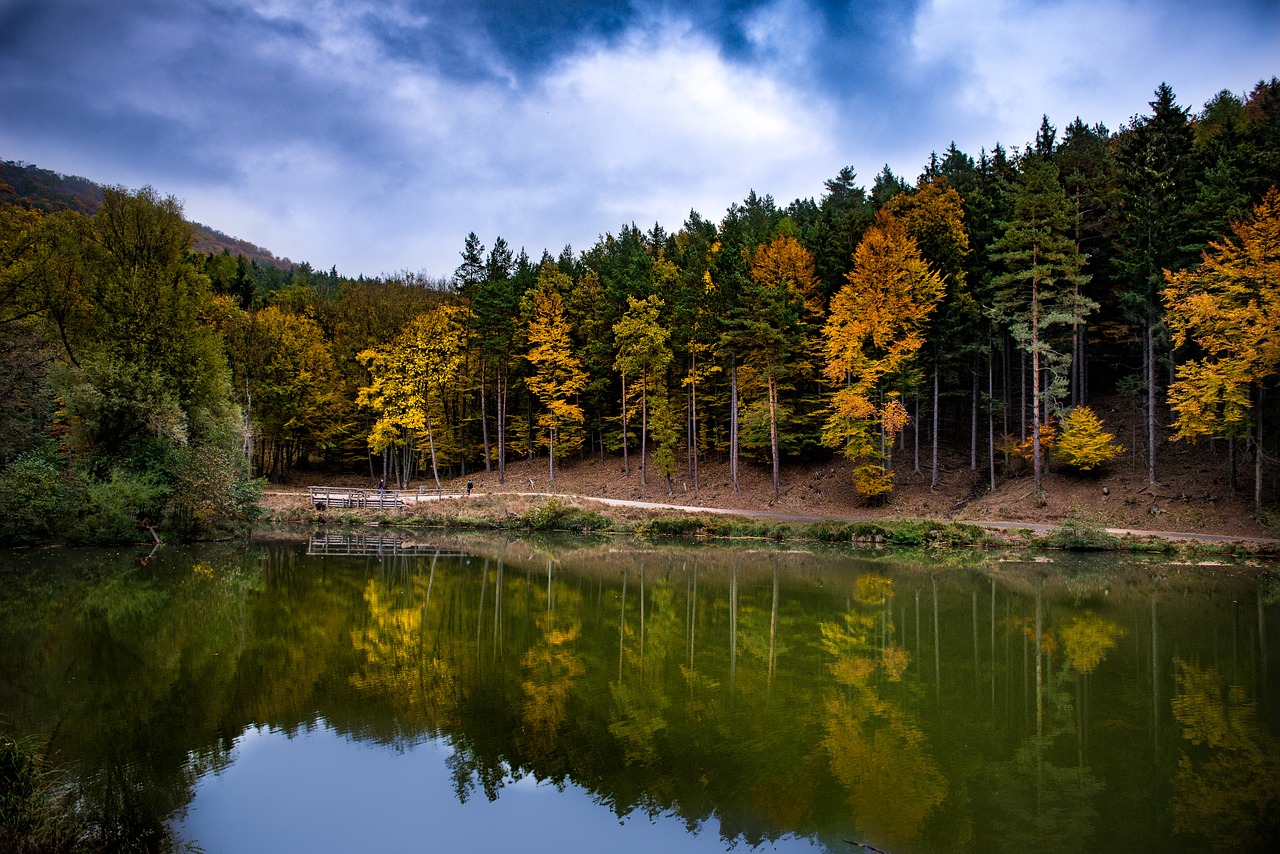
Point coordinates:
[[373, 135]]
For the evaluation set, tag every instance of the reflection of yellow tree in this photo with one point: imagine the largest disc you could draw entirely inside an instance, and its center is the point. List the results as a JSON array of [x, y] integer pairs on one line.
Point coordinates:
[[879, 754], [1086, 640], [551, 666], [422, 689], [1227, 788], [876, 749]]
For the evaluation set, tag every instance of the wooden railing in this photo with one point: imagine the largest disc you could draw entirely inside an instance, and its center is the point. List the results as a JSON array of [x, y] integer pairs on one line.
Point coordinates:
[[324, 497]]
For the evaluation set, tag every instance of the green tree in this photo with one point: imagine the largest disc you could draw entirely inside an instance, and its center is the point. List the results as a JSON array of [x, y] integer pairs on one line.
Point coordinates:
[[644, 355], [1037, 292]]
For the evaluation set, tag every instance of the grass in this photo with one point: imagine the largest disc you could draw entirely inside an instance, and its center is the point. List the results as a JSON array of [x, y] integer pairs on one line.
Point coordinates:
[[512, 513], [43, 812]]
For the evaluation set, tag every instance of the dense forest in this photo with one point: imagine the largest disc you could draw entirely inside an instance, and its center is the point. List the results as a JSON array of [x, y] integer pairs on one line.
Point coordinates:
[[980, 309]]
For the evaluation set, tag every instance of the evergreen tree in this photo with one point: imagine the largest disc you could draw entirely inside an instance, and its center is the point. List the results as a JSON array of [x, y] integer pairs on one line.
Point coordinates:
[[1036, 293]]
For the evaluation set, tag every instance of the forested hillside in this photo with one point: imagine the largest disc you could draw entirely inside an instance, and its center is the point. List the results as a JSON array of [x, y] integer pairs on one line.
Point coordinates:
[[31, 186], [980, 307]]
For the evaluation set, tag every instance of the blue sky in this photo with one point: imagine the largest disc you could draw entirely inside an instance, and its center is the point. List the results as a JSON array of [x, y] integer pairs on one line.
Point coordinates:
[[372, 136]]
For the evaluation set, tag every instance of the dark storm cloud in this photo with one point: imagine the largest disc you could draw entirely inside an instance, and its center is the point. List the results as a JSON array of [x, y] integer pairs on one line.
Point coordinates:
[[375, 133]]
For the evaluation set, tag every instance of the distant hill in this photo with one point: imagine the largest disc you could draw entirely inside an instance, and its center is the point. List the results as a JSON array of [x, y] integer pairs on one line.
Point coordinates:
[[24, 183]]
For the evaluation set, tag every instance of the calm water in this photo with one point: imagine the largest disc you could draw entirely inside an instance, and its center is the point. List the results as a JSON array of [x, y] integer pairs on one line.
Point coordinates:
[[470, 694]]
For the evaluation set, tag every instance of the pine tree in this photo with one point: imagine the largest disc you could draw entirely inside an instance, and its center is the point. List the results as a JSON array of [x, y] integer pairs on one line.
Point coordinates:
[[1037, 291]]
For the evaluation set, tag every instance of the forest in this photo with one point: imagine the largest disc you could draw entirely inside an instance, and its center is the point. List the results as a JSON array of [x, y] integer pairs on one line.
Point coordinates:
[[979, 309]]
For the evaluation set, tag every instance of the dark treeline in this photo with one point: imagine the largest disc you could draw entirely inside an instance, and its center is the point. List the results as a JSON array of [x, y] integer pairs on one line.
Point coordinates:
[[977, 310]]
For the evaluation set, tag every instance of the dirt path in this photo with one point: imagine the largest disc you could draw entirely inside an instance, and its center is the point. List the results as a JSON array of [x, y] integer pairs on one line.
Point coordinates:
[[1034, 527]]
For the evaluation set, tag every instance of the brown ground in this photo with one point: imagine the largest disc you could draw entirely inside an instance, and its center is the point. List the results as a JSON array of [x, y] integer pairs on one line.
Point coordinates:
[[1191, 495]]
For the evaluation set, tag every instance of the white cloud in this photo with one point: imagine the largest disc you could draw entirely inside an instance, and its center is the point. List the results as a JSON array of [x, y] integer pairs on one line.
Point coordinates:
[[642, 129], [1011, 61]]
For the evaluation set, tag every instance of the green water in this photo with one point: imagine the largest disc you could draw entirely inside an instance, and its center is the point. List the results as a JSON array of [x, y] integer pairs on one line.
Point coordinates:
[[484, 694]]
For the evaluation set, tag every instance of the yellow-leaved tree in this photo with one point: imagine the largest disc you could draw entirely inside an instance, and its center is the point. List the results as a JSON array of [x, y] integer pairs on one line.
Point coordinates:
[[872, 334], [1085, 443], [1229, 309], [411, 378], [557, 374]]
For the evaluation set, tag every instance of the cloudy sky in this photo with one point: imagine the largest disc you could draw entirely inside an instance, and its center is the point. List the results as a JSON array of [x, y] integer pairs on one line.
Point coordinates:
[[372, 135]]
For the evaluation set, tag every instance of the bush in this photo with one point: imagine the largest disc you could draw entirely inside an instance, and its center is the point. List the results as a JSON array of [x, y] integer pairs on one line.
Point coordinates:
[[37, 498], [873, 482], [114, 508], [1085, 445], [1080, 537], [555, 515]]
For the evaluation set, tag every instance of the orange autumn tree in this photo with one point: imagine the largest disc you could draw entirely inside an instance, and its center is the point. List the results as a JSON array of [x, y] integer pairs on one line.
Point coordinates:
[[873, 333], [1228, 308]]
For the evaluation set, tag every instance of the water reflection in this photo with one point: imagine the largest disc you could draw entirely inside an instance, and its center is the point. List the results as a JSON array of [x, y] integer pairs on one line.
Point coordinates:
[[751, 697]]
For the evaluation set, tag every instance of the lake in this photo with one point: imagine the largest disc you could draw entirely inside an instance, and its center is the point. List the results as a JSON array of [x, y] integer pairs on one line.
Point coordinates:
[[542, 694]]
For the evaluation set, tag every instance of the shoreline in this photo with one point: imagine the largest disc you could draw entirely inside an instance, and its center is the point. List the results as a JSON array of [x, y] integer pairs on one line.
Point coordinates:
[[570, 513]]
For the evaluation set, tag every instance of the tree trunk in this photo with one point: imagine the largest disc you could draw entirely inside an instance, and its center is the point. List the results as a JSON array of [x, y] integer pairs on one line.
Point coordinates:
[[644, 430], [1257, 458], [431, 443], [973, 423], [1037, 463], [484, 420], [1151, 403], [773, 438], [626, 460], [693, 407], [933, 478], [500, 393], [915, 469], [733, 424], [991, 420]]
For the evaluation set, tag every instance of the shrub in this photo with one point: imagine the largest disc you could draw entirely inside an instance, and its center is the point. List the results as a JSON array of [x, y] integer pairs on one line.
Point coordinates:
[[555, 515], [1080, 537], [1085, 445], [873, 482]]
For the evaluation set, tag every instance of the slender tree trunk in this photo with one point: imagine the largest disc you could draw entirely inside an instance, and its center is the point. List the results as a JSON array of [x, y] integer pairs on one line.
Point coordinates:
[[991, 419], [915, 469], [1257, 457], [733, 423], [1151, 403], [626, 461], [933, 477], [500, 392], [1037, 463], [484, 419], [973, 422], [644, 430], [694, 418], [773, 438], [1022, 389], [551, 454], [431, 443]]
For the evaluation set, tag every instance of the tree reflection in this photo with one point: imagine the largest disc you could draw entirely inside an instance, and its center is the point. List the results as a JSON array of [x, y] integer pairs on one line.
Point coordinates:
[[1227, 786], [876, 749]]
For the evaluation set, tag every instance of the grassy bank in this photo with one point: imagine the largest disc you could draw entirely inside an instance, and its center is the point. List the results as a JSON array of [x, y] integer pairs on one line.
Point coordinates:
[[516, 513]]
